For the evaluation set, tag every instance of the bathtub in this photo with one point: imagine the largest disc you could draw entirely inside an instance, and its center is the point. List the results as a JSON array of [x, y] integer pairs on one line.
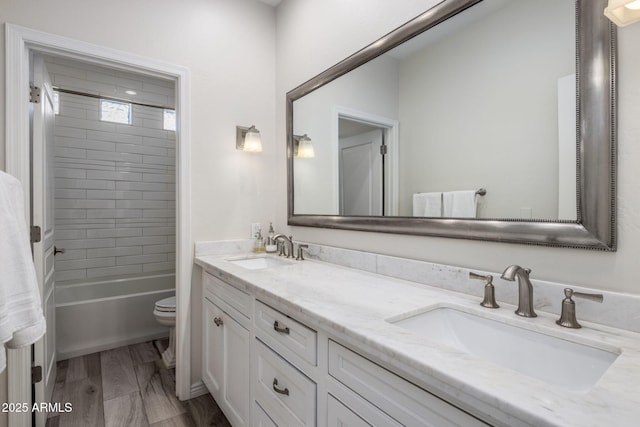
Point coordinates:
[[108, 313]]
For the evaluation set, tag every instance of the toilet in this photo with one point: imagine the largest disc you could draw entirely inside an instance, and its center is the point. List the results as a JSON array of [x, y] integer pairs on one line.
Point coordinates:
[[165, 313]]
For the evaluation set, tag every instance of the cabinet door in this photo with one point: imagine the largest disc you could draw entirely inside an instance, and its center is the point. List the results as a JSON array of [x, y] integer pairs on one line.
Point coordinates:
[[213, 346], [339, 415], [236, 371]]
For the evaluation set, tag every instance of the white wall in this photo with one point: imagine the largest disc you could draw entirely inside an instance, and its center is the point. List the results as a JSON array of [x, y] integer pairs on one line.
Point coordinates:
[[232, 83], [360, 22], [476, 98]]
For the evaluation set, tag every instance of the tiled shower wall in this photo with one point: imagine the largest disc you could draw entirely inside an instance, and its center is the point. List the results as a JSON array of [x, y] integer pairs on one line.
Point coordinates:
[[115, 183]]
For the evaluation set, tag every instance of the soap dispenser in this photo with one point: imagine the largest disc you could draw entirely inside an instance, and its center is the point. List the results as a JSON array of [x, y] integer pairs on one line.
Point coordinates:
[[258, 246], [271, 243]]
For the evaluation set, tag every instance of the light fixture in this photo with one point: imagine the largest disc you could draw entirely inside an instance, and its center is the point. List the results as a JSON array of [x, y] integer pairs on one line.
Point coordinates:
[[302, 147], [623, 12], [248, 139], [130, 92]]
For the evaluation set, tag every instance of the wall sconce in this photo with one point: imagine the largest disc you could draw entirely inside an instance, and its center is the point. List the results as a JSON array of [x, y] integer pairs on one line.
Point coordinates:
[[248, 139], [623, 12], [302, 147]]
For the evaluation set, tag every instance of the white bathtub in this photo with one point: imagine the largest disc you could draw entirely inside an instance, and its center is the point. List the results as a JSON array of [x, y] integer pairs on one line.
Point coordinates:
[[103, 314]]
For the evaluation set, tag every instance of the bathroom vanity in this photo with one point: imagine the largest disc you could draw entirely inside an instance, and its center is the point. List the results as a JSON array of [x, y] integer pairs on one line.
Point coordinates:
[[314, 343]]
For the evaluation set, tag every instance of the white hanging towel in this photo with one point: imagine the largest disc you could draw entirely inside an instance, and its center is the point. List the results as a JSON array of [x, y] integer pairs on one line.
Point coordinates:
[[21, 320], [459, 204], [427, 204]]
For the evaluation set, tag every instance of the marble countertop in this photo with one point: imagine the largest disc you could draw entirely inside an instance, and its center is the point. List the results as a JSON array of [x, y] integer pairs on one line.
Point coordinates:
[[355, 305]]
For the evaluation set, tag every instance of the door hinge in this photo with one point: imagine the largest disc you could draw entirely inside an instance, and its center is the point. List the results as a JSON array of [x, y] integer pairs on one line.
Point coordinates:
[[36, 234], [383, 149], [34, 94], [36, 374]]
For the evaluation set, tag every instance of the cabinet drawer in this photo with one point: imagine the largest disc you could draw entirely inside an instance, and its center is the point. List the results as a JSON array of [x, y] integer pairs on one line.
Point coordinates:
[[339, 415], [260, 418], [232, 296], [400, 399], [286, 395], [285, 334]]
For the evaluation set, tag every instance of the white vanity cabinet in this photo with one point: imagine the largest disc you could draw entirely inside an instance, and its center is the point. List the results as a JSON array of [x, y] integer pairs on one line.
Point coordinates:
[[284, 348], [265, 368], [226, 348]]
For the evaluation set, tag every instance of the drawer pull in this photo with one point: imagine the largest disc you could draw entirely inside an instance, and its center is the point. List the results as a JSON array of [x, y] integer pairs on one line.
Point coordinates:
[[277, 328], [218, 321], [284, 391]]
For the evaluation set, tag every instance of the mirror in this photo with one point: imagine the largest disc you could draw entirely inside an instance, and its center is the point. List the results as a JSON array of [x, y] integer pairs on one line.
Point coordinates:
[[462, 123]]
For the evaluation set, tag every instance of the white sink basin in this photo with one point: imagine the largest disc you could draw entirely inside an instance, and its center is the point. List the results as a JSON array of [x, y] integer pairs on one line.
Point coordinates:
[[258, 262], [556, 361]]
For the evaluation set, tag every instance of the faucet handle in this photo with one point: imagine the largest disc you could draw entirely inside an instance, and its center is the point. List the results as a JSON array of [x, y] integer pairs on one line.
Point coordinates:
[[489, 300], [301, 246], [568, 313]]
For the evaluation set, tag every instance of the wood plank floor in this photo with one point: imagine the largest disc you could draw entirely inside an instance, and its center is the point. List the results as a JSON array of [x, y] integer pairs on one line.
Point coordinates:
[[127, 387]]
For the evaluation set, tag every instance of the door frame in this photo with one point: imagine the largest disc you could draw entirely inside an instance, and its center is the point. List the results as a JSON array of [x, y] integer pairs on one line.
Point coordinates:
[[19, 43], [391, 127]]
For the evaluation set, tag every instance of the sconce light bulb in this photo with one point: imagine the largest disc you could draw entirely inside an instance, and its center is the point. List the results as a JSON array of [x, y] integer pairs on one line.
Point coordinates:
[[252, 140], [634, 5]]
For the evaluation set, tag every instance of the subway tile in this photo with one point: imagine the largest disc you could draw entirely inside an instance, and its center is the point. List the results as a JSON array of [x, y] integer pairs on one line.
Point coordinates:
[[141, 204], [85, 183], [114, 213], [158, 213], [111, 271], [142, 259], [70, 173], [115, 156], [114, 252], [84, 144], [85, 124], [75, 153], [63, 131], [155, 88], [114, 232], [159, 142], [78, 113], [115, 176], [64, 193], [159, 195], [160, 266], [100, 194], [158, 231], [71, 254], [140, 131], [129, 83], [117, 138], [70, 213], [158, 249], [84, 163], [148, 177], [80, 203], [70, 234], [141, 149], [87, 243], [144, 186], [158, 160], [138, 241], [80, 264]]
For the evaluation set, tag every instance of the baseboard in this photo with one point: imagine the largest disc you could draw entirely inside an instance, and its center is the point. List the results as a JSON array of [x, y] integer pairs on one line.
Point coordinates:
[[198, 389], [70, 353]]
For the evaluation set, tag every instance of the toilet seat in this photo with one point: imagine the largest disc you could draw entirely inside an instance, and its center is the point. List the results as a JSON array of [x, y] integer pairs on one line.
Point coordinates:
[[167, 305]]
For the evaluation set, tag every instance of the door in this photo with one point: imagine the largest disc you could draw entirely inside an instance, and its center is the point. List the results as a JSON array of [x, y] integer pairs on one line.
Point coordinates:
[[42, 215], [361, 174]]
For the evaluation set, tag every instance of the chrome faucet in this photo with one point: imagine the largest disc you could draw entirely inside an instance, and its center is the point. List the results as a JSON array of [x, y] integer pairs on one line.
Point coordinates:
[[525, 289], [288, 241]]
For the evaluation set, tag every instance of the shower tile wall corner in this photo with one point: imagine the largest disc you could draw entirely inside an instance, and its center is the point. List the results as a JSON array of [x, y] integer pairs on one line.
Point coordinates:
[[115, 183]]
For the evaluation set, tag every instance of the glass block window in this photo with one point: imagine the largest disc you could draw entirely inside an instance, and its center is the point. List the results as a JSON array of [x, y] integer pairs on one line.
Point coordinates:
[[169, 119], [56, 102], [114, 111]]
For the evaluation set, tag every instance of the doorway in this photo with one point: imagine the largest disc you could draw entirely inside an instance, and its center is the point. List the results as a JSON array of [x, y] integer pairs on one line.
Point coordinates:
[[22, 43]]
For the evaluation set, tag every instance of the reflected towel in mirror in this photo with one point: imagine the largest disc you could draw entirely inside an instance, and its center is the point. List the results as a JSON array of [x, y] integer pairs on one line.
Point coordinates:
[[427, 204], [459, 204]]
